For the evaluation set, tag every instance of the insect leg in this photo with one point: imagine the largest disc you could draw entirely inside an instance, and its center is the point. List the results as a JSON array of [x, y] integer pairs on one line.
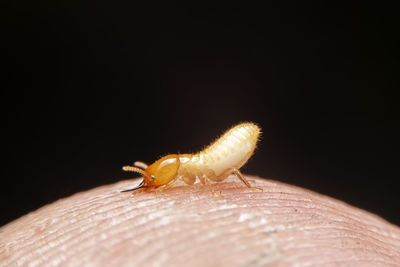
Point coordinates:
[[187, 177], [205, 180], [140, 164], [241, 177], [171, 183]]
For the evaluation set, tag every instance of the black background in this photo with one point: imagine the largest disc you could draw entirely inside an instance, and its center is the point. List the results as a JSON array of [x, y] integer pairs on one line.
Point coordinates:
[[92, 86]]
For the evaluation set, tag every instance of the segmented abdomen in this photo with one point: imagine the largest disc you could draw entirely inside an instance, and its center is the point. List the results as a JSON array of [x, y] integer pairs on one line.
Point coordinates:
[[231, 150]]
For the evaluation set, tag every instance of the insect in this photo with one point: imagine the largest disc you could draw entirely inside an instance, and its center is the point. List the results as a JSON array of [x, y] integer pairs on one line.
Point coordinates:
[[213, 164]]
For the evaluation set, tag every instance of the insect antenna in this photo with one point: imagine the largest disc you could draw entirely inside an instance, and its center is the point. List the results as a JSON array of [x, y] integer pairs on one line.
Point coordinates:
[[135, 169], [140, 164]]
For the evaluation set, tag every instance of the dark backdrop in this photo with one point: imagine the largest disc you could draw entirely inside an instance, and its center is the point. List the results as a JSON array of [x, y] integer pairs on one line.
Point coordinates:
[[92, 86]]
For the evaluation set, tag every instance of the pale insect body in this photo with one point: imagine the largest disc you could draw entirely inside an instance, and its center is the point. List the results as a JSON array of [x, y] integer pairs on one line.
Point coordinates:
[[215, 163]]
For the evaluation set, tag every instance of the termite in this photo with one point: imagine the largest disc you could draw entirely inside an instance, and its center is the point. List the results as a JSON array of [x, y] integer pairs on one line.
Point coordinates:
[[213, 164]]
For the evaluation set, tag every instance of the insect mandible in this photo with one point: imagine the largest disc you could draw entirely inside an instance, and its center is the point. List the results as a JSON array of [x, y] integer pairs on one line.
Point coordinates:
[[215, 163]]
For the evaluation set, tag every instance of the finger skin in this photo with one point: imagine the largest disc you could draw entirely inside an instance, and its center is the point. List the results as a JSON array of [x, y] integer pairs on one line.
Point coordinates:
[[186, 226]]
